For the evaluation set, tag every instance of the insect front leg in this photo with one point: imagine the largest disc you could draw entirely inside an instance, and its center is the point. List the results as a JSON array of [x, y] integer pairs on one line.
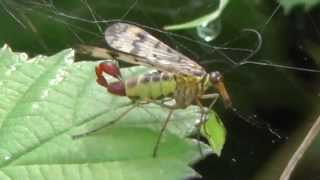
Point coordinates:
[[213, 96], [203, 111]]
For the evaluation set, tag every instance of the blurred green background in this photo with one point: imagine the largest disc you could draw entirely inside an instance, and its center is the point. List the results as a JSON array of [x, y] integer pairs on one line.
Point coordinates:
[[275, 106]]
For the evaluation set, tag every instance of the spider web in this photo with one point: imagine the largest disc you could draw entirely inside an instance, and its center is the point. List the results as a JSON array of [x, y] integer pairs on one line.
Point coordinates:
[[84, 17], [251, 70]]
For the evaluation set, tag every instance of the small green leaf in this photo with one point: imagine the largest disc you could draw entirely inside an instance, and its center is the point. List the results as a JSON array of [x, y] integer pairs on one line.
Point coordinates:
[[214, 131], [206, 19], [44, 101], [288, 5]]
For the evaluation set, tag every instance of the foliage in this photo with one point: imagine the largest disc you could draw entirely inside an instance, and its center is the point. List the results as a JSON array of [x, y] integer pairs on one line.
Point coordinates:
[[47, 100], [288, 5]]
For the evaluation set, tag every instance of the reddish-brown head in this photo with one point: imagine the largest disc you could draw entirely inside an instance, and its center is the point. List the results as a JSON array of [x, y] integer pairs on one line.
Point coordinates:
[[216, 79]]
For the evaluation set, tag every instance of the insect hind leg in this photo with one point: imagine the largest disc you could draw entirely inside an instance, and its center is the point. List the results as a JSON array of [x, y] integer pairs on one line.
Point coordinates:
[[77, 136], [156, 147]]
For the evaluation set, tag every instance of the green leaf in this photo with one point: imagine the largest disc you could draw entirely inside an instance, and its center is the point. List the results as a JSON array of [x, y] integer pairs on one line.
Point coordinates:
[[214, 131], [44, 101], [203, 20], [288, 5]]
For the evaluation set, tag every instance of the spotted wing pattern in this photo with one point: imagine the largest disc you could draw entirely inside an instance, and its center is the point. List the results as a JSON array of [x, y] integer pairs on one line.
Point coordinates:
[[149, 50]]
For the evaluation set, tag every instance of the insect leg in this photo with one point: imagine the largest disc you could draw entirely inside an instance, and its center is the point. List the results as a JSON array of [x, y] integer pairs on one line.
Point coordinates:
[[210, 96], [202, 120], [162, 104], [213, 96], [105, 125], [155, 149]]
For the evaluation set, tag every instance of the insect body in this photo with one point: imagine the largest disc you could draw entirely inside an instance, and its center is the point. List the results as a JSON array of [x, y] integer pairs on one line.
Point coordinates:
[[132, 44], [146, 87], [179, 77]]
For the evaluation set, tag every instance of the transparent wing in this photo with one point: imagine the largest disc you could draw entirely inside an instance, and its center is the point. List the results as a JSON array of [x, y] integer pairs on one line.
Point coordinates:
[[150, 51]]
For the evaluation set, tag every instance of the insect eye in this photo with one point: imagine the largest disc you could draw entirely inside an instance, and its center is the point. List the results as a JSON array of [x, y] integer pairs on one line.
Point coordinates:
[[215, 76]]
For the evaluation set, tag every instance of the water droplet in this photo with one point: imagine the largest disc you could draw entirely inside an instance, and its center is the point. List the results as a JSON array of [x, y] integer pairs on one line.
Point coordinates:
[[23, 56], [68, 59], [10, 70], [7, 158], [5, 155], [13, 68], [209, 31], [45, 94], [35, 107], [59, 77]]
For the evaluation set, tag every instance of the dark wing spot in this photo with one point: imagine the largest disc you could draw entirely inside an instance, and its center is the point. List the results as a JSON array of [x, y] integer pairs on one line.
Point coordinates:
[[169, 50], [136, 48], [141, 36], [157, 45], [114, 55], [135, 60], [179, 59], [137, 43]]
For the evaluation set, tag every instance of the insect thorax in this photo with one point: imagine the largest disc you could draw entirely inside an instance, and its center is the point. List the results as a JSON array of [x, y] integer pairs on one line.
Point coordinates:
[[189, 88]]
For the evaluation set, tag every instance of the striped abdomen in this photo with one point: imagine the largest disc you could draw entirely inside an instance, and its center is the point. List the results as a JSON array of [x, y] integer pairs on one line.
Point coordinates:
[[151, 86]]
